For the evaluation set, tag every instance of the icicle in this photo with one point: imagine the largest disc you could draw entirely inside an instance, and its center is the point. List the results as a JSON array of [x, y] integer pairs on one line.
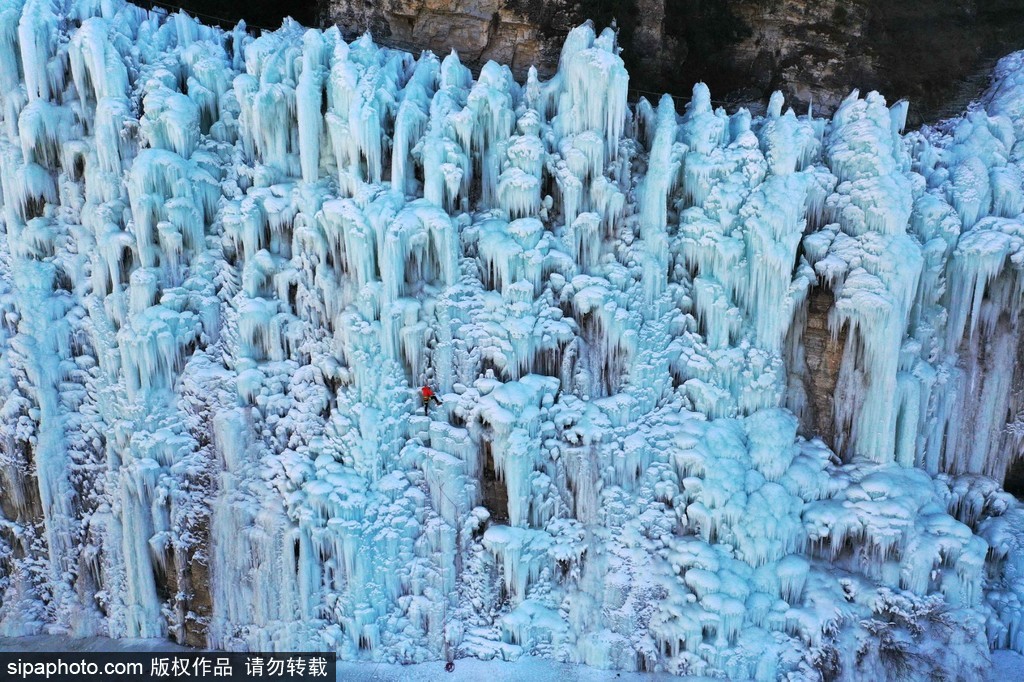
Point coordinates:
[[309, 96]]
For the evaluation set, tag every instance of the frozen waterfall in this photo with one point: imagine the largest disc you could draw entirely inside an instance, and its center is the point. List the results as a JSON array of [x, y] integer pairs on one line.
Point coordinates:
[[722, 394]]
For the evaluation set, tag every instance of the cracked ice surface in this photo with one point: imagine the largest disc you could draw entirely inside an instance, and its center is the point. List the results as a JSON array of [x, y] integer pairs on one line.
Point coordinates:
[[228, 262]]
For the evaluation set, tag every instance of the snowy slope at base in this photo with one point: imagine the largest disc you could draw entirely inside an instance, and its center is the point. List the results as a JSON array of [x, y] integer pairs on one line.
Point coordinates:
[[722, 395], [1006, 665], [59, 643], [467, 670]]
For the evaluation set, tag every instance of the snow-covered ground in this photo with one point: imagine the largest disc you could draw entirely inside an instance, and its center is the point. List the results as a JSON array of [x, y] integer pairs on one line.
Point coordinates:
[[721, 395], [58, 643], [1006, 665], [466, 670], [473, 670]]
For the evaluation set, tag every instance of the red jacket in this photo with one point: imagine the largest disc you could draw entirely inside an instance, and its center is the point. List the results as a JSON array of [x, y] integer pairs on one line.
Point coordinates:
[[427, 392]]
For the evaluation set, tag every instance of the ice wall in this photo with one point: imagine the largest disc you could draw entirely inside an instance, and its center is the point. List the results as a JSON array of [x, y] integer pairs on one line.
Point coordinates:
[[228, 263]]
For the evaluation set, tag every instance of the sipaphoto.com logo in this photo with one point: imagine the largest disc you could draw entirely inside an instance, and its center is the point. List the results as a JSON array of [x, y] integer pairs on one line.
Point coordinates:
[[72, 668]]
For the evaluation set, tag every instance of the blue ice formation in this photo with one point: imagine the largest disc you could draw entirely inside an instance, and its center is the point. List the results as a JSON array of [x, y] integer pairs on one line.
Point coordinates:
[[722, 394]]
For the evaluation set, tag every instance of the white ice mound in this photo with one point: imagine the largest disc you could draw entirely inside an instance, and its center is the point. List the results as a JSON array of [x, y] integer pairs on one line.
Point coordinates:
[[720, 394]]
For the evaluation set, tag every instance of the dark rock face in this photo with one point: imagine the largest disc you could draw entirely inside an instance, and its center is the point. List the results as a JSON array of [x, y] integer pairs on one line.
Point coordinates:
[[819, 367], [931, 52], [814, 51], [257, 14]]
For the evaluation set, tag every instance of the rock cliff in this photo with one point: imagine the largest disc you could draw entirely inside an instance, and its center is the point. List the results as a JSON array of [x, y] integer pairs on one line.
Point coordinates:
[[928, 52]]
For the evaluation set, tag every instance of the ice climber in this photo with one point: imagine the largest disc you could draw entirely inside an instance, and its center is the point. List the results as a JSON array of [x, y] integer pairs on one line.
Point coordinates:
[[428, 395]]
